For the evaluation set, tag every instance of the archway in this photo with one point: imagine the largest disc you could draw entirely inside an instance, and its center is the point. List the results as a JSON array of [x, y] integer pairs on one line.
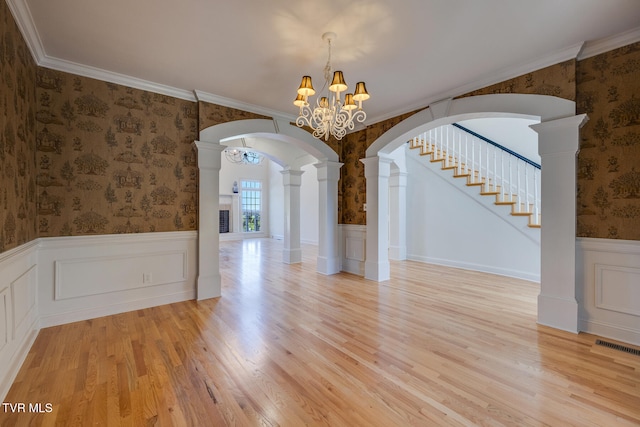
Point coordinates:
[[558, 137], [210, 147]]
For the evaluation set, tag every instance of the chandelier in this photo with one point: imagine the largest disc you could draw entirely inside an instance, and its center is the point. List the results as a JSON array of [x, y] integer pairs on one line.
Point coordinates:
[[330, 115], [242, 155]]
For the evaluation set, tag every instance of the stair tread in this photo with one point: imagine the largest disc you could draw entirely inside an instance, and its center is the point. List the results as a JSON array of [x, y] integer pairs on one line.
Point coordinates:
[[488, 188]]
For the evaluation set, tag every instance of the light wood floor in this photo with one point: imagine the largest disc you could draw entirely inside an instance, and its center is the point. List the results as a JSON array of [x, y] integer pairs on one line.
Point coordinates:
[[287, 346]]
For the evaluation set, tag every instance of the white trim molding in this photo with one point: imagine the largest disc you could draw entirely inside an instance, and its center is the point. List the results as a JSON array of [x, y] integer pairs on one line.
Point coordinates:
[[596, 47], [608, 287], [353, 241], [85, 277], [18, 310]]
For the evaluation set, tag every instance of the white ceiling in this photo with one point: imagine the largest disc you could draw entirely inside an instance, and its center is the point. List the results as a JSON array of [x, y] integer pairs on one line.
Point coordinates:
[[252, 53]]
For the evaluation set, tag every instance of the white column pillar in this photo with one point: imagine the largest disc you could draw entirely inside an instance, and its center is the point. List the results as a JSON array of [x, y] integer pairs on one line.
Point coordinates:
[[398, 215], [328, 255], [236, 213], [209, 281], [558, 142], [292, 179], [376, 171]]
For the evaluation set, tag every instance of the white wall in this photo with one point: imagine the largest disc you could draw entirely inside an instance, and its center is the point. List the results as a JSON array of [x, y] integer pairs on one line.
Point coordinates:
[[230, 172], [276, 202], [512, 133], [309, 209], [309, 196], [449, 223]]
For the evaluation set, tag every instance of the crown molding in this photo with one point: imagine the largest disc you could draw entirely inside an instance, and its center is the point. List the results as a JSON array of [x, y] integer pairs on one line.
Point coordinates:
[[597, 47], [495, 77], [24, 21], [578, 51], [239, 105], [112, 77]]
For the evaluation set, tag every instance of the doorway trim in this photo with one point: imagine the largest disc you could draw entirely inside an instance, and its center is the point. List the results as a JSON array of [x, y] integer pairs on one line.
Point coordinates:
[[209, 150], [558, 135]]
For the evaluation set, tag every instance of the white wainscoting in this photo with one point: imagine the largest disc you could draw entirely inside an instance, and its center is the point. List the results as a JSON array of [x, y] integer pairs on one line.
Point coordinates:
[[352, 248], [18, 310], [85, 277], [608, 288]]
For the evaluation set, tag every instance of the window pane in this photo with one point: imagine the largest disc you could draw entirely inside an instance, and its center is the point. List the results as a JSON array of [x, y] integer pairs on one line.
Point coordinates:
[[251, 205]]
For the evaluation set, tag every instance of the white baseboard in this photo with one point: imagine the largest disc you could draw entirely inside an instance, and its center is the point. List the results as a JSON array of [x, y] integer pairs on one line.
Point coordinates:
[[108, 310], [227, 237], [476, 267], [613, 331]]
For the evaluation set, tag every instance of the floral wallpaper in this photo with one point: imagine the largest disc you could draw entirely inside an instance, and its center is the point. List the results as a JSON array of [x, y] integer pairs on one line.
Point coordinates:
[[17, 131], [608, 202], [556, 80], [212, 114], [112, 159], [352, 185], [80, 156]]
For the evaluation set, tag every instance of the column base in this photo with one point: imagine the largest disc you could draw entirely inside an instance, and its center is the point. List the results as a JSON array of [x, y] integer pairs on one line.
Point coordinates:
[[209, 287], [328, 265], [291, 256], [558, 313], [378, 271], [398, 253]]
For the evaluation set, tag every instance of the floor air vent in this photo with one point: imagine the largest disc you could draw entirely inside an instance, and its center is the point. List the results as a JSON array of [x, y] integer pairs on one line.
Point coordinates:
[[618, 347]]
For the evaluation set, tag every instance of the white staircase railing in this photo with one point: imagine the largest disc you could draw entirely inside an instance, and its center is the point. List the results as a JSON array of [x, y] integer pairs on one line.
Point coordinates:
[[514, 179]]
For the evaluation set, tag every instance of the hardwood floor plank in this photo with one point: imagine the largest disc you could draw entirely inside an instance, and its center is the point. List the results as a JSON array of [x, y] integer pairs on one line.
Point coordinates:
[[284, 345]]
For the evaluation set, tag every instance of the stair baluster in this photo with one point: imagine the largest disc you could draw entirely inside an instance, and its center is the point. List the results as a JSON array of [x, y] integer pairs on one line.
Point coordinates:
[[445, 144]]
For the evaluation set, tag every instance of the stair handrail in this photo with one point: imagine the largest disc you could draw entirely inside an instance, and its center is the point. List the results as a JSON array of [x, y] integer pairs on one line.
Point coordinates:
[[502, 147]]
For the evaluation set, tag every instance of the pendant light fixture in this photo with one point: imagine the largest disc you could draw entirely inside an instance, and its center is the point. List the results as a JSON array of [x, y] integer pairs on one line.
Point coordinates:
[[331, 115]]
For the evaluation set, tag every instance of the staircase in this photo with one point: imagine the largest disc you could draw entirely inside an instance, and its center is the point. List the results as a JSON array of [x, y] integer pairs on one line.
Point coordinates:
[[498, 172]]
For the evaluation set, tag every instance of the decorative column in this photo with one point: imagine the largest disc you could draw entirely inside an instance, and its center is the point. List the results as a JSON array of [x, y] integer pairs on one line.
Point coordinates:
[[292, 179], [558, 142], [236, 212], [328, 256], [398, 215], [376, 171], [209, 281]]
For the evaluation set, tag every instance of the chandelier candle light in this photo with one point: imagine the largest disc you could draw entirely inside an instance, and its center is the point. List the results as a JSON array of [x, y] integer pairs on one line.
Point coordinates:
[[330, 116]]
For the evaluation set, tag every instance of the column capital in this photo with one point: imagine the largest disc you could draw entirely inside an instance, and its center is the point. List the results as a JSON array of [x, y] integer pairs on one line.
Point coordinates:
[[292, 177], [560, 135], [209, 154], [375, 166], [328, 170]]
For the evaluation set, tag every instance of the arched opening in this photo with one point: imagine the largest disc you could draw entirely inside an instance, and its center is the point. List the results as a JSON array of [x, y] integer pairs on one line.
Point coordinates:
[[457, 223], [558, 144], [292, 148]]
